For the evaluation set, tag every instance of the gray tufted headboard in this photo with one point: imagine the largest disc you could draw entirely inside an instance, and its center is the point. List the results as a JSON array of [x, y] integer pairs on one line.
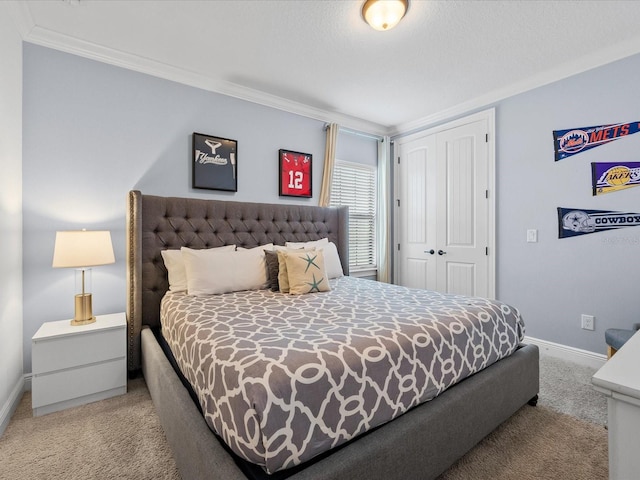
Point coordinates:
[[159, 223]]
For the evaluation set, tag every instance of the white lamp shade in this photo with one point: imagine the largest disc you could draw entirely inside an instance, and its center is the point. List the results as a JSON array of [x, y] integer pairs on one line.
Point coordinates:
[[82, 248], [384, 14]]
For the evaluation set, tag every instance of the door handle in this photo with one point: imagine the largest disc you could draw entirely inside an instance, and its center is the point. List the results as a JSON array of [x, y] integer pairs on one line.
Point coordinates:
[[440, 252], [432, 251]]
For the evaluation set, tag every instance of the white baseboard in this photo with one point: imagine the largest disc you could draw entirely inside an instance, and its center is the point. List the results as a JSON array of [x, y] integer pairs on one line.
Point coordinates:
[[11, 404], [571, 354]]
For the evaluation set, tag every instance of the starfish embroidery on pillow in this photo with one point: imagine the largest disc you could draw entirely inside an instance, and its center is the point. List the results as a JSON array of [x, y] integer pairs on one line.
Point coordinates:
[[310, 261], [315, 285]]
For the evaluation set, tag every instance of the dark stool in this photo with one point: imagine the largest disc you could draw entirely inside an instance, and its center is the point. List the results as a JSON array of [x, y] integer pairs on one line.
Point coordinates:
[[617, 337]]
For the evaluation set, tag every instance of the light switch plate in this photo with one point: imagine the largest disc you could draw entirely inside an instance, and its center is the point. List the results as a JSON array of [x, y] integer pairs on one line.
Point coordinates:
[[532, 235]]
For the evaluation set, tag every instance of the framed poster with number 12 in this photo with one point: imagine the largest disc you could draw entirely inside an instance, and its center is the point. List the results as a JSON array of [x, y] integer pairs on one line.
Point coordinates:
[[295, 174]]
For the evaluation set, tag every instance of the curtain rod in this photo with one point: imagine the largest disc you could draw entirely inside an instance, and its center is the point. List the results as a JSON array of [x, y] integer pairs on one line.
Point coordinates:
[[356, 132]]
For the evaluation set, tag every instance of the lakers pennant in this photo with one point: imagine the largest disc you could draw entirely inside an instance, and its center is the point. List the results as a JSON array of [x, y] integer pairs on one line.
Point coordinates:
[[612, 177]]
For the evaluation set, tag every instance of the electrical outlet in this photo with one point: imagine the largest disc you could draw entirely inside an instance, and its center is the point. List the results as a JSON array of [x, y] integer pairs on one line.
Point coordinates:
[[588, 322], [532, 236]]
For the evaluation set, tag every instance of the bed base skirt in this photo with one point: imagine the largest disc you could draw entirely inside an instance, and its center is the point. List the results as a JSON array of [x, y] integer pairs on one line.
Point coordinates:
[[421, 444]]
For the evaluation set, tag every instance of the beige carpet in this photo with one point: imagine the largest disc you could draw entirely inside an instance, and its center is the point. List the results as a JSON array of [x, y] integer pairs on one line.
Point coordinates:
[[537, 444], [121, 438], [117, 438]]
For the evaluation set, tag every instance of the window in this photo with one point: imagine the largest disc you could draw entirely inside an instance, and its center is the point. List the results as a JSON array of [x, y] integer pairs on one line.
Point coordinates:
[[354, 185]]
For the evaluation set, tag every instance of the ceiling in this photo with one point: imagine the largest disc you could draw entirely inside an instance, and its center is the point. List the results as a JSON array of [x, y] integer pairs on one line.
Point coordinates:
[[319, 58]]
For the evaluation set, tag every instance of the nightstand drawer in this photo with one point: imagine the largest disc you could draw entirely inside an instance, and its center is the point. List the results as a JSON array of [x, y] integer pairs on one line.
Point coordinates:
[[50, 388], [51, 354]]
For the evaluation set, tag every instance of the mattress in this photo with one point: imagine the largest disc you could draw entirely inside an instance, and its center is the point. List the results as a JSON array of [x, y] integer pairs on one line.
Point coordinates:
[[282, 378]]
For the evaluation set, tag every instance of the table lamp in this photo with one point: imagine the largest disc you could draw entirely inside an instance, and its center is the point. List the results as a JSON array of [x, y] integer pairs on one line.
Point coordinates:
[[81, 249]]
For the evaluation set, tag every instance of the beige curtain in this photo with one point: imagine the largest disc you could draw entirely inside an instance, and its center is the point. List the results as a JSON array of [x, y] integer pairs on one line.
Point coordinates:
[[329, 162], [384, 218]]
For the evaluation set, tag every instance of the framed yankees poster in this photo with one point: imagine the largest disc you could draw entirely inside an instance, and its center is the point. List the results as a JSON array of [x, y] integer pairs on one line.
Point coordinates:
[[295, 174], [215, 163]]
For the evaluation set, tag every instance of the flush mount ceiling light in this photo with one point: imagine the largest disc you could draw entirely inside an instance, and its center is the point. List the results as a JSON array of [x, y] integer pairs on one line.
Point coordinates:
[[384, 14]]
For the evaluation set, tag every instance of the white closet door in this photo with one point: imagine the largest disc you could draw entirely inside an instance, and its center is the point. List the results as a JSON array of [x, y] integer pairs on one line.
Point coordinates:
[[444, 216], [418, 203], [461, 218]]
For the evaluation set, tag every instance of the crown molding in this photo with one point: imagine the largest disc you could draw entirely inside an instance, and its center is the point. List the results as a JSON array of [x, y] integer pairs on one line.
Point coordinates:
[[589, 62], [47, 38], [21, 16], [32, 33]]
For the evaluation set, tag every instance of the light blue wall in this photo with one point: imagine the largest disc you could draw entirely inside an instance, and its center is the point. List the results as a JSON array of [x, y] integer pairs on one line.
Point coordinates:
[[92, 132], [11, 379], [556, 280], [357, 149]]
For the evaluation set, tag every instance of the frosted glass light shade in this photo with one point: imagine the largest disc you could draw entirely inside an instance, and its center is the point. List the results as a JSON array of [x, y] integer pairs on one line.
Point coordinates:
[[82, 248], [384, 14]]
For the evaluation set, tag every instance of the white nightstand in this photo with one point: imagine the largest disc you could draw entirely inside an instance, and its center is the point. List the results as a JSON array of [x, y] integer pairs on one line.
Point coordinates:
[[74, 365]]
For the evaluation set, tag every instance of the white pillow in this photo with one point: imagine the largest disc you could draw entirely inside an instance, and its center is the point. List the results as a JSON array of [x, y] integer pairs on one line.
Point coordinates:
[[268, 246], [175, 267], [221, 272], [331, 258], [309, 244]]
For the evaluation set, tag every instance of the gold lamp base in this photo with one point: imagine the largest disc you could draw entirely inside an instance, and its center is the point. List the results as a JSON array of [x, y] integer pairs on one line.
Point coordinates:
[[83, 312]]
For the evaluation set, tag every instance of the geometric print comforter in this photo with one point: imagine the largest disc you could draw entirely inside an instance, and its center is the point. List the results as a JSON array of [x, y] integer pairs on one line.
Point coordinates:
[[282, 378]]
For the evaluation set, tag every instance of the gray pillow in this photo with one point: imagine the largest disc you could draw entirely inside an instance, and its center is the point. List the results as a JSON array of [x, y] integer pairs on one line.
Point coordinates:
[[273, 269]]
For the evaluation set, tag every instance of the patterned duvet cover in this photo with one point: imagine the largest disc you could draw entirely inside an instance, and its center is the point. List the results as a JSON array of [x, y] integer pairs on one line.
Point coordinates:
[[282, 378]]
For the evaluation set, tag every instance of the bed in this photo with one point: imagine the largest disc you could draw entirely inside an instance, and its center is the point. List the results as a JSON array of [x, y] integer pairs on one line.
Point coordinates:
[[421, 443]]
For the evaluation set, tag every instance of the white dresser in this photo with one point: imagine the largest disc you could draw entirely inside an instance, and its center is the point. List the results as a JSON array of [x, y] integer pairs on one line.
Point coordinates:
[[619, 379], [74, 365]]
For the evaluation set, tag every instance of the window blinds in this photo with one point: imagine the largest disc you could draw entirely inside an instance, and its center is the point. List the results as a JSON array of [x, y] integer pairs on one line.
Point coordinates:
[[355, 185]]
